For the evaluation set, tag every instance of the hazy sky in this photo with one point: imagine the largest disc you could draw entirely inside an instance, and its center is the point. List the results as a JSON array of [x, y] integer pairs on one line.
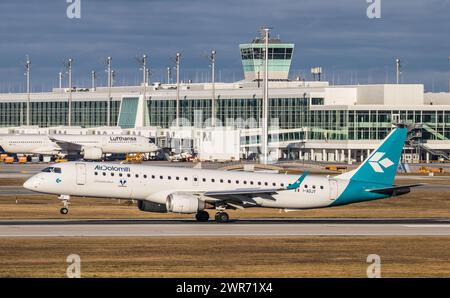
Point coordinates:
[[334, 34]]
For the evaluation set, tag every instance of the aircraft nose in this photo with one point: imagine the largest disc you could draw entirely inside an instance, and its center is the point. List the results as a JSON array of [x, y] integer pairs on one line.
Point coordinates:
[[30, 183]]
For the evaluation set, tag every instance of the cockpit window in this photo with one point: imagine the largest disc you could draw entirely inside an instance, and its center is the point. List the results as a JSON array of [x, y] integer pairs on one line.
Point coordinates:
[[52, 170]]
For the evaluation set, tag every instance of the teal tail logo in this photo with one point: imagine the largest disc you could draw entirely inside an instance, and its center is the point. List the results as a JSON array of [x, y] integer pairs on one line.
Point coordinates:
[[381, 166]]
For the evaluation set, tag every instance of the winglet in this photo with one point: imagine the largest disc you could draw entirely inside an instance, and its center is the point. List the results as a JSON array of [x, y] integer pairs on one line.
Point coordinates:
[[299, 181]]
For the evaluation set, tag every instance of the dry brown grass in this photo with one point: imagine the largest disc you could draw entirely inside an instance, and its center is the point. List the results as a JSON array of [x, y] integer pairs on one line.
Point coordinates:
[[226, 257]]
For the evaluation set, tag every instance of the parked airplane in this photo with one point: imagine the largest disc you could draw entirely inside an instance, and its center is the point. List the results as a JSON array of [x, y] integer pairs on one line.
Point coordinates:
[[181, 190], [92, 147]]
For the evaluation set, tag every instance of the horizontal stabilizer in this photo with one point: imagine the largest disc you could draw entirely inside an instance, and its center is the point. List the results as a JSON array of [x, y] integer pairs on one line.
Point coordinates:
[[394, 190]]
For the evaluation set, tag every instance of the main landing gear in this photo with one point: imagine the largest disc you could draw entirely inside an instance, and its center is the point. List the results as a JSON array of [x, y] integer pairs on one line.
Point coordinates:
[[203, 216], [65, 198], [222, 217]]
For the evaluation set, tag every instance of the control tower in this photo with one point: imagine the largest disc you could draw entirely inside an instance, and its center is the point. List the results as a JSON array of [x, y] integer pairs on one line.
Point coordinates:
[[280, 56]]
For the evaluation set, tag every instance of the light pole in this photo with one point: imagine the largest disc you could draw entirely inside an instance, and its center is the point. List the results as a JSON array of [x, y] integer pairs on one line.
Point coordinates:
[[108, 104], [213, 81], [27, 74], [177, 62], [398, 70], [69, 70], [93, 77], [265, 135]]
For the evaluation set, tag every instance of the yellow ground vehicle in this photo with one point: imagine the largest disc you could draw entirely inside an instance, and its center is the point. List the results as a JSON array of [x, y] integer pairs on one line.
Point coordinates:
[[61, 160], [134, 158], [22, 159], [9, 160], [336, 168], [3, 156], [424, 169]]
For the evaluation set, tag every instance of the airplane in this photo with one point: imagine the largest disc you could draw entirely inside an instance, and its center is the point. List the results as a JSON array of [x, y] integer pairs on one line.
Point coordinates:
[[193, 191], [92, 147]]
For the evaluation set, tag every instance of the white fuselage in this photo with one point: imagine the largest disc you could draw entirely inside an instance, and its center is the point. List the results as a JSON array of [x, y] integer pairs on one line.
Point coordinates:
[[155, 184], [48, 144]]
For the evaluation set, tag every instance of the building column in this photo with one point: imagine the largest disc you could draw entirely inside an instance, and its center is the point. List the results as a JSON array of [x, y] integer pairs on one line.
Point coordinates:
[[427, 157], [312, 157], [361, 158], [349, 159], [324, 155], [342, 155]]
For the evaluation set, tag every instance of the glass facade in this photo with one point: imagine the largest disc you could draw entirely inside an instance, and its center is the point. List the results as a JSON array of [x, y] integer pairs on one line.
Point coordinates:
[[297, 118], [54, 113], [307, 117]]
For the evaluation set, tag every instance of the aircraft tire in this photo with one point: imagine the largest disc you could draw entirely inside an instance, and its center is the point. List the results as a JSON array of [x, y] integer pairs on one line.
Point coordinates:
[[64, 211], [202, 216], [222, 217]]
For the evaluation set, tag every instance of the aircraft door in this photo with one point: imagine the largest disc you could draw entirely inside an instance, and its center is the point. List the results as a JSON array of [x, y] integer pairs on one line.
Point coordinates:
[[333, 189], [81, 173]]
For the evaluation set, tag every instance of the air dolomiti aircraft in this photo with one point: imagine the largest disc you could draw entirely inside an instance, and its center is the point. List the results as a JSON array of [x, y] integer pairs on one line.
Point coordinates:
[[92, 147], [181, 190]]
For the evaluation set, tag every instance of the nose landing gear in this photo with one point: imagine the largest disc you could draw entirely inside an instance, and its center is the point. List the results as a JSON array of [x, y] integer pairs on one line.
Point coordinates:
[[65, 198]]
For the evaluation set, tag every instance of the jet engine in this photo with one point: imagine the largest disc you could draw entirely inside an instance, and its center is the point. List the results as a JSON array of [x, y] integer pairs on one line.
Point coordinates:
[[92, 153], [151, 207], [179, 203]]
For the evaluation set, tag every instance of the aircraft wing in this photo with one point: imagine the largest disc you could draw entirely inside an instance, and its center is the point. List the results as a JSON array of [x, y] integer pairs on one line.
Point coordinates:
[[394, 190], [239, 198], [66, 146]]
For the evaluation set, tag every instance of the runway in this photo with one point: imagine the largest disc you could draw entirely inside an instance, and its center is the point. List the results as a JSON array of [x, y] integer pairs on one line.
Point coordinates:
[[244, 228]]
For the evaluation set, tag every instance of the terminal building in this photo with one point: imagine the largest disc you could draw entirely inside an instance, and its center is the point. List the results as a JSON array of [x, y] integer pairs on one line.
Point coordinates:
[[308, 120]]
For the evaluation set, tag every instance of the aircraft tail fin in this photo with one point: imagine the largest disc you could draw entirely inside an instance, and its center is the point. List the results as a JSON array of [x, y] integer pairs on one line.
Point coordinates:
[[381, 166]]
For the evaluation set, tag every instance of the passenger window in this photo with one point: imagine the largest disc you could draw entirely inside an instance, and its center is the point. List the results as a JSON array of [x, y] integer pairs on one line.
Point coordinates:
[[95, 173], [120, 174], [265, 183], [160, 177], [178, 178], [251, 182], [168, 177], [274, 184], [306, 186], [112, 174], [195, 179], [212, 180], [104, 174], [229, 181], [259, 182], [237, 181], [145, 176], [185, 178], [282, 184], [128, 175], [137, 175], [314, 187], [321, 187], [204, 179], [245, 182], [221, 180], [153, 176]]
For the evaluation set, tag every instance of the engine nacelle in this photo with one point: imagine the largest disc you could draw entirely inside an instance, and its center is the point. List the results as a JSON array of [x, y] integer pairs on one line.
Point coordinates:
[[92, 153], [179, 203], [152, 207]]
